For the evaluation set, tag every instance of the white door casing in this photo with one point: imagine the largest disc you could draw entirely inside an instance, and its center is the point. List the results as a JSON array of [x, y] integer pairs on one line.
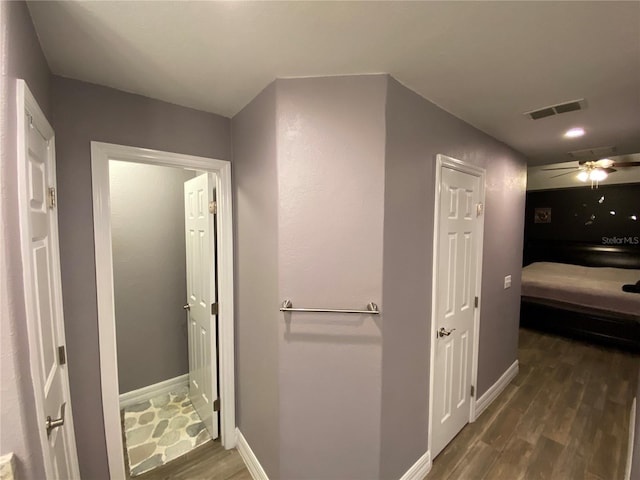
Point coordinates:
[[199, 241], [43, 288], [101, 153], [457, 269]]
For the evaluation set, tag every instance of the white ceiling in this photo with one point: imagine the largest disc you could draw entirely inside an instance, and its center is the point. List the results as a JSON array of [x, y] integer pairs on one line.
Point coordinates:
[[485, 62]]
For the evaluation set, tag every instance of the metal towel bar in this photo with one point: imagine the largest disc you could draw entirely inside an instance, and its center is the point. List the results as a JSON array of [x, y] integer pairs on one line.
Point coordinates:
[[372, 309]]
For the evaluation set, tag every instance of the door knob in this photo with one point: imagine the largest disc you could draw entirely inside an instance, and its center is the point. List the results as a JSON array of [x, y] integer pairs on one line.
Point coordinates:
[[443, 332], [50, 423]]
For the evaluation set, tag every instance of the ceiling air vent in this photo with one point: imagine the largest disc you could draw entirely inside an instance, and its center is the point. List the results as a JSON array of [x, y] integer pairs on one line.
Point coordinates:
[[595, 152], [565, 107]]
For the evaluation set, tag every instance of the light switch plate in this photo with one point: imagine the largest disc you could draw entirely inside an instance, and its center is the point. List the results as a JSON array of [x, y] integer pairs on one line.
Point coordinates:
[[507, 281]]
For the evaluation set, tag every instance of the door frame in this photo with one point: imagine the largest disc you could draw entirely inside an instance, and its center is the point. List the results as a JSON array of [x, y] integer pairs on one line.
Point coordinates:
[[101, 153], [27, 104], [464, 167]]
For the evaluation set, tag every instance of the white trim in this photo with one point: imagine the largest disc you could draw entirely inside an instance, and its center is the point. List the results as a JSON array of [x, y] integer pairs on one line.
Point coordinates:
[[443, 160], [250, 459], [632, 434], [419, 469], [150, 391], [496, 389], [26, 102], [101, 153]]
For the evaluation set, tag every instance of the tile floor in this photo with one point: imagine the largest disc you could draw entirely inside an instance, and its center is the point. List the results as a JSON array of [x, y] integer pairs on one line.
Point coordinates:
[[160, 430]]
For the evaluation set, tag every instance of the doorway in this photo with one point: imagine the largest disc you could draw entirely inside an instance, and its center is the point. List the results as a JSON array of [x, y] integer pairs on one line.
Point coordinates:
[[216, 172], [457, 273]]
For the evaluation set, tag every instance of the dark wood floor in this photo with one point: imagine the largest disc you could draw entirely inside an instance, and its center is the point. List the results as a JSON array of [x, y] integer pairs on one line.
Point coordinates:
[[565, 416], [210, 461]]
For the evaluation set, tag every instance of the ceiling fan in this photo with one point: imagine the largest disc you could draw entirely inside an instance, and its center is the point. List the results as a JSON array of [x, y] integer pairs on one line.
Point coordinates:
[[594, 170]]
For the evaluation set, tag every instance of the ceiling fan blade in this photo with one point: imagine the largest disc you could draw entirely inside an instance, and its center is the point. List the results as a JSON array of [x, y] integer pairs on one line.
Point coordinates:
[[628, 164], [565, 173], [560, 168], [609, 170]]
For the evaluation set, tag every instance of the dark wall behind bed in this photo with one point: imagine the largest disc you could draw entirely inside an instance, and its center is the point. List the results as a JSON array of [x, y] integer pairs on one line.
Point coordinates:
[[608, 215]]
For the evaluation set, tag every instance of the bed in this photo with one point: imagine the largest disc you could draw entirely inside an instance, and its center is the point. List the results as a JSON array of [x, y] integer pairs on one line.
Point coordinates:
[[576, 290]]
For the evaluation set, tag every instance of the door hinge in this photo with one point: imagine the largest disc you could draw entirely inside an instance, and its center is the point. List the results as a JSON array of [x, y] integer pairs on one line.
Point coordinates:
[[51, 197], [213, 208], [476, 302], [216, 405], [473, 391], [214, 308], [479, 209], [62, 356]]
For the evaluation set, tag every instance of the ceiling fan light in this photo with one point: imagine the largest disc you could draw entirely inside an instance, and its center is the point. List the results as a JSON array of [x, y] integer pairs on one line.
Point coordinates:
[[597, 175], [583, 176]]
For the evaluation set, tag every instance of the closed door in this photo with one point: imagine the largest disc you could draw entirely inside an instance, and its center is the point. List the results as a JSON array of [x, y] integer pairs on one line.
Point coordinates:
[[455, 303], [200, 243], [41, 262]]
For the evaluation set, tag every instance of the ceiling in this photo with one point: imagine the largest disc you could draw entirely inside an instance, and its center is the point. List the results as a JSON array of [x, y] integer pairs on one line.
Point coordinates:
[[564, 174], [485, 62]]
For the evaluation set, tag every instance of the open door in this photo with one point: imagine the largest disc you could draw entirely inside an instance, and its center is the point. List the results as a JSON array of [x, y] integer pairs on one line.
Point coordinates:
[[43, 288], [201, 298]]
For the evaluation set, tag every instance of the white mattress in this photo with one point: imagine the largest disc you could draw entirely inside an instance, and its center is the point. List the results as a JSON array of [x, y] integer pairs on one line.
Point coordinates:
[[599, 288]]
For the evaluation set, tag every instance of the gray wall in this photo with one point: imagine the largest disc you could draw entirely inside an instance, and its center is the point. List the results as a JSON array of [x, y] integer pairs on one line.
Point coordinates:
[[331, 135], [417, 131], [351, 221], [84, 112], [255, 179], [21, 57], [150, 283]]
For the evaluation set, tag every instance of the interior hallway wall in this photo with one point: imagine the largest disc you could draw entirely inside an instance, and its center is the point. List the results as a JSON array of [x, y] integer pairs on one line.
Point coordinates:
[[418, 130], [331, 136], [82, 113], [150, 281], [255, 202], [20, 57]]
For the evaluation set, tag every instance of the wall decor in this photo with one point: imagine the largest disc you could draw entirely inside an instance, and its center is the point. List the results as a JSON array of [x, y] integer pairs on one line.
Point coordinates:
[[542, 215]]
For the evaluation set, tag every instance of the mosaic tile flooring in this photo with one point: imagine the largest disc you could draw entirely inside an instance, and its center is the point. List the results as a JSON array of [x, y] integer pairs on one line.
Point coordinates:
[[160, 430]]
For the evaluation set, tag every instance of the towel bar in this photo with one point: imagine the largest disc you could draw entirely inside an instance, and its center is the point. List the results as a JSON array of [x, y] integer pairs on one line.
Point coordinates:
[[372, 309]]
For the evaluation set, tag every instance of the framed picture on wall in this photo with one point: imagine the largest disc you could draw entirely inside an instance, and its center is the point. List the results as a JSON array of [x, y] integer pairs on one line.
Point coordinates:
[[542, 215]]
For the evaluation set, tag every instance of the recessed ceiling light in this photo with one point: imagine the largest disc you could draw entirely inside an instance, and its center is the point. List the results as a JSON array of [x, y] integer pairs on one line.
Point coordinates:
[[574, 132]]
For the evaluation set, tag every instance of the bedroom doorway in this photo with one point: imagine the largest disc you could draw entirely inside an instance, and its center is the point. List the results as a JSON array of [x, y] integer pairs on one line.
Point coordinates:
[[217, 175], [457, 266]]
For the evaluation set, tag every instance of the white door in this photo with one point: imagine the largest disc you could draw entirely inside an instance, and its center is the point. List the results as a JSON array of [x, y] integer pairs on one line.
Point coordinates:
[[43, 293], [200, 243], [456, 289]]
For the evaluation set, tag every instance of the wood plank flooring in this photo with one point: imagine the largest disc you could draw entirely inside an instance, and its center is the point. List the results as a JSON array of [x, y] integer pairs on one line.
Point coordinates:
[[565, 416], [210, 461]]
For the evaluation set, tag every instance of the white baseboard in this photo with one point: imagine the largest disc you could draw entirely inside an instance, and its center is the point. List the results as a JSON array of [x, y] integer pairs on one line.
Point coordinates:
[[419, 469], [496, 389], [250, 459], [632, 432], [145, 393]]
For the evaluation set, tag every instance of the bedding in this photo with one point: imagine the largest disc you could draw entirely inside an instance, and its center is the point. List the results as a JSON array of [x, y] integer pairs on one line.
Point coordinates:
[[590, 288]]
